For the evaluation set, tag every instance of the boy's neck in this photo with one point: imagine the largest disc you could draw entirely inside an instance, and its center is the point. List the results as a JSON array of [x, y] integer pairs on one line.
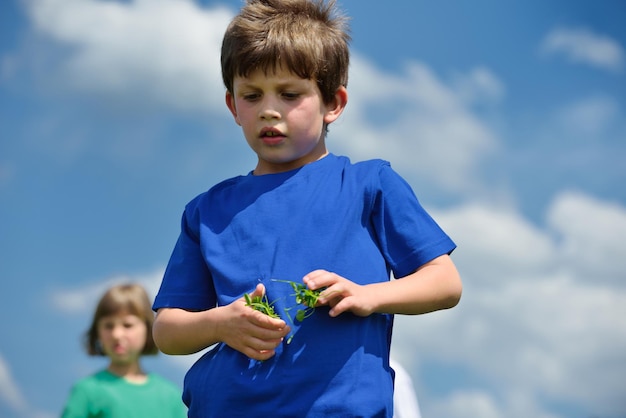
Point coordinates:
[[263, 167]]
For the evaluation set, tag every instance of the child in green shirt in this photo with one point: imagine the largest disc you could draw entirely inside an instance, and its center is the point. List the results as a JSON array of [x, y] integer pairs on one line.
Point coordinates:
[[122, 330]]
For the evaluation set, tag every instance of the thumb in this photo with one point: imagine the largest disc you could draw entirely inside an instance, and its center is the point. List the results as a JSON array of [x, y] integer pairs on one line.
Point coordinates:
[[258, 291]]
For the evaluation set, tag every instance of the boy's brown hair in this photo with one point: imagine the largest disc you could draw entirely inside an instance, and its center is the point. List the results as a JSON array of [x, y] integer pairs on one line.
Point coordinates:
[[125, 298], [307, 37]]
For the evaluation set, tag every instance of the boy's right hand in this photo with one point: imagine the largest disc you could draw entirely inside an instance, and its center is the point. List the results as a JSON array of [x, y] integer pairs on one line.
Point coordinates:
[[249, 331]]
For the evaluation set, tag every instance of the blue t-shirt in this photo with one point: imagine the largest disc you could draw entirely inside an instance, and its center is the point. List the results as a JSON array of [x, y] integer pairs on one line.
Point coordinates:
[[361, 221]]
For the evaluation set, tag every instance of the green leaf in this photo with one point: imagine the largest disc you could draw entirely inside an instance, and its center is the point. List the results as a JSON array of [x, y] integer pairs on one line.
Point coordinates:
[[300, 315]]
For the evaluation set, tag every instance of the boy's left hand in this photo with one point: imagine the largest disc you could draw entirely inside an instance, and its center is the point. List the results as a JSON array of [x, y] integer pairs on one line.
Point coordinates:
[[341, 294]]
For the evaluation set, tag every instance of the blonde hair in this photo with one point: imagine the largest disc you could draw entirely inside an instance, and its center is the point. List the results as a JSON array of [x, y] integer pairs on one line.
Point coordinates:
[[124, 298], [307, 37]]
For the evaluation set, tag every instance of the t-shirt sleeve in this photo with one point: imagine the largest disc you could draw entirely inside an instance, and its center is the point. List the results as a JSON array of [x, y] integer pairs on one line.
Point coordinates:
[[187, 282], [409, 237]]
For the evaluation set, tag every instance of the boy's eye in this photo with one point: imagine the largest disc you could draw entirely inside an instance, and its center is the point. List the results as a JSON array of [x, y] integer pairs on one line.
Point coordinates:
[[251, 96], [291, 95]]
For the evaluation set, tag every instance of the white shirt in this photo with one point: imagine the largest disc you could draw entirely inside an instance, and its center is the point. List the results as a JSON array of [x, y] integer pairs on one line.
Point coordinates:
[[405, 403]]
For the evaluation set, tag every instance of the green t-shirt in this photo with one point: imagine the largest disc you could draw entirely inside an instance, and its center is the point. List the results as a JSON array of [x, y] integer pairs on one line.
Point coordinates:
[[104, 395]]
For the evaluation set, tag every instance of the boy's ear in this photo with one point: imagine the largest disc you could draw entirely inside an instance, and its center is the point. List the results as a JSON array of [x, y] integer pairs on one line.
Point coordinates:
[[335, 108], [230, 103]]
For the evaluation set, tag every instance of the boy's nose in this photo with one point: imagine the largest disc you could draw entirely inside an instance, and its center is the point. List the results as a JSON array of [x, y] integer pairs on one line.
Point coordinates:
[[269, 110], [270, 114]]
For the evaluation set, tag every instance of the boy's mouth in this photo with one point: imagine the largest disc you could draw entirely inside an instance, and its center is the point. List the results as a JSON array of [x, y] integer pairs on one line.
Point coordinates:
[[270, 133], [271, 136]]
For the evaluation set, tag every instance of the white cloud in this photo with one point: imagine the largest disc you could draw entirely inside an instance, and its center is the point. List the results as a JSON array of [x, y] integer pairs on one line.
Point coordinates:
[[584, 46], [485, 405], [479, 85], [84, 299], [156, 50], [558, 335], [589, 117], [457, 405], [514, 245], [9, 391], [414, 120], [591, 236]]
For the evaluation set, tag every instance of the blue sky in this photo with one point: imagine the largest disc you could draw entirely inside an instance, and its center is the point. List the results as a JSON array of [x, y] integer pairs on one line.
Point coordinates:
[[507, 118]]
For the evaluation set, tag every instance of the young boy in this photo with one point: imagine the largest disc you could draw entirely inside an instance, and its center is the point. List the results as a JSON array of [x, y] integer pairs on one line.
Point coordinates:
[[301, 215]]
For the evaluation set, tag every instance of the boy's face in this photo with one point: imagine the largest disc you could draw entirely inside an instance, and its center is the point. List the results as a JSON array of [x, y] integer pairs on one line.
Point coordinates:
[[283, 118]]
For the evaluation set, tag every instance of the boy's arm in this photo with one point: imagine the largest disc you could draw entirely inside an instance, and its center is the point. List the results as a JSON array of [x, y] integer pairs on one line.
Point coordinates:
[[434, 286], [177, 331]]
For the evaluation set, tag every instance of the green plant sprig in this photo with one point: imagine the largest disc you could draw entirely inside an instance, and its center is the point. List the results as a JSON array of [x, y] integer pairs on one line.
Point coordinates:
[[261, 304], [304, 296]]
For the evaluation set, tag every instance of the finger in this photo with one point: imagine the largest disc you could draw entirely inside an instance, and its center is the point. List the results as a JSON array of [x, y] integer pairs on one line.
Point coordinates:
[[331, 295], [338, 307], [275, 335], [255, 338], [261, 355], [259, 290], [262, 348], [319, 278], [260, 344], [264, 321]]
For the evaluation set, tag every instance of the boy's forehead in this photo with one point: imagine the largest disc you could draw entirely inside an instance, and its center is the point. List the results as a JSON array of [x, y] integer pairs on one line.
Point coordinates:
[[273, 75]]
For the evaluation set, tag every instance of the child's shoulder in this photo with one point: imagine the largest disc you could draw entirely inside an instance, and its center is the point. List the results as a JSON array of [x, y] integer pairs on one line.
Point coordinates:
[[222, 185], [361, 172], [372, 169], [94, 380], [372, 165]]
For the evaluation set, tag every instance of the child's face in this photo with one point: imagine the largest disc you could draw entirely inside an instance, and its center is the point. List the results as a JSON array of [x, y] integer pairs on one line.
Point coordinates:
[[123, 337], [283, 118]]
